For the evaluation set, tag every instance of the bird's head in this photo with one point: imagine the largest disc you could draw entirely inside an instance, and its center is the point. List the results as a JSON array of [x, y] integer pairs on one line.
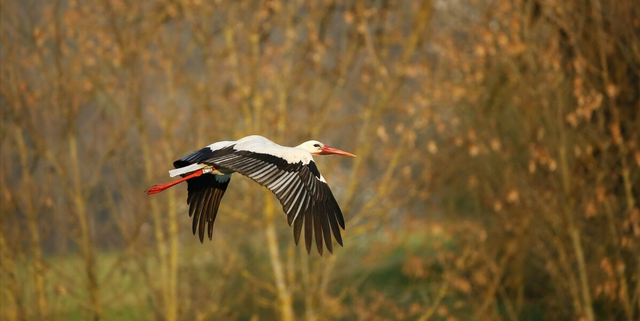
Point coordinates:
[[317, 148]]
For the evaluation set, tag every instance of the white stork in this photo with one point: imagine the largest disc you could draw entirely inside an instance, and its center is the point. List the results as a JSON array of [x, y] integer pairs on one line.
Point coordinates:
[[289, 172]]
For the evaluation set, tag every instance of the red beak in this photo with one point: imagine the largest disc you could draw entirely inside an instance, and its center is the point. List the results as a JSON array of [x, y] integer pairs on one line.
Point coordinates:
[[326, 150]]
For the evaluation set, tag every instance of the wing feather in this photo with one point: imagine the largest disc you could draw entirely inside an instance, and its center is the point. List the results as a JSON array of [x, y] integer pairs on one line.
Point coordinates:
[[308, 228], [202, 219], [318, 230], [325, 228], [197, 208], [297, 230]]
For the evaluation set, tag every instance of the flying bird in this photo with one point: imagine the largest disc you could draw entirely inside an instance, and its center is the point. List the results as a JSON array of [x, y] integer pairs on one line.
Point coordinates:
[[289, 172]]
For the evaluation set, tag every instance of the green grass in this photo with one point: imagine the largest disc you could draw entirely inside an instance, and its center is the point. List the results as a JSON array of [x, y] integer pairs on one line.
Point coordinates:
[[211, 285]]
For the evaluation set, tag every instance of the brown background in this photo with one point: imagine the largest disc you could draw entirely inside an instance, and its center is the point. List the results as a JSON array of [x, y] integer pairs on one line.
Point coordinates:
[[497, 175]]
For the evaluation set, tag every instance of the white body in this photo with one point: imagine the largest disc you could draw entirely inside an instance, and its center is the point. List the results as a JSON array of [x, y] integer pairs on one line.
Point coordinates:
[[257, 144]]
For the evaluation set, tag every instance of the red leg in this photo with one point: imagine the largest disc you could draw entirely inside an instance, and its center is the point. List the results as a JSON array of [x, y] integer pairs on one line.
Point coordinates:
[[161, 187]]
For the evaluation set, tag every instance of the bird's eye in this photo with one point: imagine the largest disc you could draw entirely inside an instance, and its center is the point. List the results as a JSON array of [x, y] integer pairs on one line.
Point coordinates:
[[316, 145]]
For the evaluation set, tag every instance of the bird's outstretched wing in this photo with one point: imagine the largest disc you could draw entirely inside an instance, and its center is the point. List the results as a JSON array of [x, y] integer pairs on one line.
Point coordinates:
[[204, 195], [204, 192], [298, 185]]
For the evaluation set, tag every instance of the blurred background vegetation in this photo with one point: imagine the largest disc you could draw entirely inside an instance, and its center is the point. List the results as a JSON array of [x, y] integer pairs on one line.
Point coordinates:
[[497, 177]]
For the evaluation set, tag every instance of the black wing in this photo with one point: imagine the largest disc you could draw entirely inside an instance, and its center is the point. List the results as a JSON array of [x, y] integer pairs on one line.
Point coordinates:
[[305, 198], [204, 192], [204, 195]]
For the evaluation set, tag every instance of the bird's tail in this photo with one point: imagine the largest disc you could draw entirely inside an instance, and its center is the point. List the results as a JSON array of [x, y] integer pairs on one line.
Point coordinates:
[[186, 169]]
